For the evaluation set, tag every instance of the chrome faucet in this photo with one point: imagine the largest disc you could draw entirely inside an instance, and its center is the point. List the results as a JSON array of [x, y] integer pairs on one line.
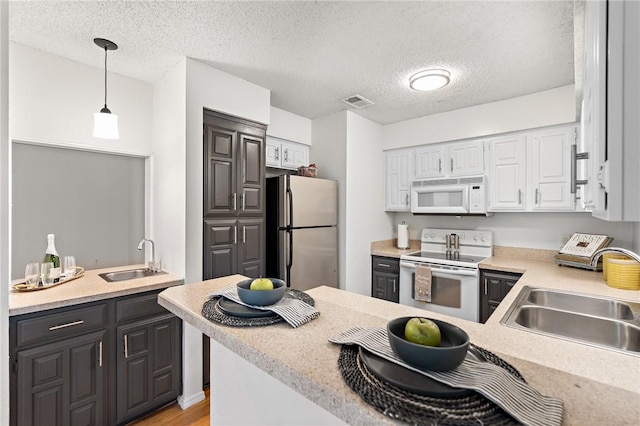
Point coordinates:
[[598, 253], [152, 265]]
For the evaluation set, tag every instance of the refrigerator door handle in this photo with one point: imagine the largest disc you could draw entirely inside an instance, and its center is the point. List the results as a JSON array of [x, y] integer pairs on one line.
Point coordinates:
[[289, 256], [290, 197]]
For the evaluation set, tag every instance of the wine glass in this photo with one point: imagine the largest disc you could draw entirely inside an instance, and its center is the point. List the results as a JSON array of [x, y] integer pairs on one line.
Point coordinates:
[[69, 263], [32, 274], [45, 269]]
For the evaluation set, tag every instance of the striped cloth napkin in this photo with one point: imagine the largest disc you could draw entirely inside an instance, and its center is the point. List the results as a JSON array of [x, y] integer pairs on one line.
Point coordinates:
[[294, 311], [517, 398]]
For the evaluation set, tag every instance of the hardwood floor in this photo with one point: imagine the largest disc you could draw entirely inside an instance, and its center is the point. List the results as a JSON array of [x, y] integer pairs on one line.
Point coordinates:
[[196, 415]]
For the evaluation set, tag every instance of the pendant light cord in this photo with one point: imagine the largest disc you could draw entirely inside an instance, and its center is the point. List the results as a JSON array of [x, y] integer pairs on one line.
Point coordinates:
[[105, 76]]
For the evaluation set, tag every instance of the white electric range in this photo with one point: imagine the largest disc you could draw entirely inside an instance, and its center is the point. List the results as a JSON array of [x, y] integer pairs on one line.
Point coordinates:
[[455, 271]]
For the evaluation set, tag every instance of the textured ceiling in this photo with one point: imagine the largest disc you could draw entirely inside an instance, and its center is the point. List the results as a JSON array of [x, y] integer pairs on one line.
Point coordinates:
[[312, 54]]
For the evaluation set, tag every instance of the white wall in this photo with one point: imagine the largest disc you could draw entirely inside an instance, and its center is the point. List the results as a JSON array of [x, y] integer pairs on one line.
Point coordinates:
[[5, 212], [168, 170], [289, 126], [53, 100], [365, 219], [555, 106], [532, 230], [329, 135]]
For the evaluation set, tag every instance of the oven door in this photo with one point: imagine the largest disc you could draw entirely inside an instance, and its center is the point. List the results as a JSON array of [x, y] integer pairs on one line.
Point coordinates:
[[454, 290], [440, 199]]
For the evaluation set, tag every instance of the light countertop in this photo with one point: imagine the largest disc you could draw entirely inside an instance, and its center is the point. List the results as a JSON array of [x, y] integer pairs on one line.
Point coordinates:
[[597, 386], [88, 288]]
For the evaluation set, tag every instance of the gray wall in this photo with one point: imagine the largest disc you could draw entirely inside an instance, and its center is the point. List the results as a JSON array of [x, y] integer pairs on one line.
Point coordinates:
[[92, 202]]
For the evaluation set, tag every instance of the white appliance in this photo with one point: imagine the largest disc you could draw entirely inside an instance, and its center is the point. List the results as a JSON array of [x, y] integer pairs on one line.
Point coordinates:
[[461, 196], [455, 275]]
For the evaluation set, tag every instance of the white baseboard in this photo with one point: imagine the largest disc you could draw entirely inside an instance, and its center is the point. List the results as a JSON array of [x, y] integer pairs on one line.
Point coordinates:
[[186, 402]]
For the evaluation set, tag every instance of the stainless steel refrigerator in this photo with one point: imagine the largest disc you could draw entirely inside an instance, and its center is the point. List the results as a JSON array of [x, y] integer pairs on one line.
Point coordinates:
[[301, 231]]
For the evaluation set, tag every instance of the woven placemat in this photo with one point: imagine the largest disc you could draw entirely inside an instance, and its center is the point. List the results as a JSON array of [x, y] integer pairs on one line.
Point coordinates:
[[212, 311], [412, 408]]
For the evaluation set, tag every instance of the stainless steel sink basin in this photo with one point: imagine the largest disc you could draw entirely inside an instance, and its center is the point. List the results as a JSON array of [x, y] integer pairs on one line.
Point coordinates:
[[130, 274], [584, 304], [597, 321]]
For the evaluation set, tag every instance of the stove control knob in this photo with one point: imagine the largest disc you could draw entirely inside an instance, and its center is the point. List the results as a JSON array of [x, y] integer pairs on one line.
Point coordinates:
[[432, 235], [476, 238], [483, 239]]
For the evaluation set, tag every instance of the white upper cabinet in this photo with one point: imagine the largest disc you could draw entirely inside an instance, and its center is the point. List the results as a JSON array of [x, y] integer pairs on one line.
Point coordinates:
[[429, 161], [465, 158], [286, 155], [398, 170], [507, 173], [549, 159], [531, 171]]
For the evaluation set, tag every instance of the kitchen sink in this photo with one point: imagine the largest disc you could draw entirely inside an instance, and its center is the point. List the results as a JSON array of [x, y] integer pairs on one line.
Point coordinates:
[[584, 304], [130, 274], [598, 321]]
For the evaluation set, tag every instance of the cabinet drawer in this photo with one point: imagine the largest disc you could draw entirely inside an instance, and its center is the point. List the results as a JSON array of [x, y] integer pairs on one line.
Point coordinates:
[[60, 324], [386, 264], [138, 307]]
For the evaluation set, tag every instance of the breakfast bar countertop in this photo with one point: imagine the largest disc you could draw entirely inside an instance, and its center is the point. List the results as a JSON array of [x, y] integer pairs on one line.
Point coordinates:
[[89, 288], [597, 386]]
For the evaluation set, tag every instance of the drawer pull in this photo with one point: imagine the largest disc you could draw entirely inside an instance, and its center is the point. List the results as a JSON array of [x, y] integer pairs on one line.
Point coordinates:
[[100, 355], [126, 346], [69, 324], [384, 265]]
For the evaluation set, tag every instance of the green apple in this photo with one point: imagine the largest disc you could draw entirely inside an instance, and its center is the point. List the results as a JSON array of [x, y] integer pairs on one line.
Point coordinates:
[[261, 284], [422, 331]]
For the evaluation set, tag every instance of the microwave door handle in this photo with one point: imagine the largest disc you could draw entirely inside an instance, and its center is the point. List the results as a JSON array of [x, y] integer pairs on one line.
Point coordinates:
[[463, 272]]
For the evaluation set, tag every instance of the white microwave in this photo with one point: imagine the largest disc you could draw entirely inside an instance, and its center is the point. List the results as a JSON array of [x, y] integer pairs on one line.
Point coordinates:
[[463, 196]]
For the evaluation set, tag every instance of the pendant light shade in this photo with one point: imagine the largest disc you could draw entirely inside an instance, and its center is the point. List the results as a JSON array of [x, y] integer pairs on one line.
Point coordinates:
[[105, 124]]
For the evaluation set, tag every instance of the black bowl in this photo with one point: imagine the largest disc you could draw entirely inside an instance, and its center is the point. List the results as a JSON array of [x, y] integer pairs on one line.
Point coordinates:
[[261, 297], [450, 354]]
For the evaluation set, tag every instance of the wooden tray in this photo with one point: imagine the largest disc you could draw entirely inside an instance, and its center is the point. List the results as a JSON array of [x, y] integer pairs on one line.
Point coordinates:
[[24, 287]]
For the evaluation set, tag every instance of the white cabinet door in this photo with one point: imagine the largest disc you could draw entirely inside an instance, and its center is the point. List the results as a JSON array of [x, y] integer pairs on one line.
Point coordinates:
[[429, 162], [294, 155], [285, 155], [398, 181], [272, 156], [507, 178], [466, 158], [549, 160]]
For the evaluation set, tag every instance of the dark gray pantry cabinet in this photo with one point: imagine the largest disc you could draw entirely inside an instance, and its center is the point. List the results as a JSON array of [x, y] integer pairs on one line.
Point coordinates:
[[100, 363], [233, 196]]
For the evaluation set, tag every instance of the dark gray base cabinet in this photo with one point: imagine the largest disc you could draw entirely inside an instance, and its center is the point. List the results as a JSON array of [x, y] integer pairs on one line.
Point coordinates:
[[385, 278], [100, 363], [494, 286]]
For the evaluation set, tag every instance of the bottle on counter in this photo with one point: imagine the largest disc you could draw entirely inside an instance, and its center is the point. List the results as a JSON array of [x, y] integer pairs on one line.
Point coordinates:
[[51, 255]]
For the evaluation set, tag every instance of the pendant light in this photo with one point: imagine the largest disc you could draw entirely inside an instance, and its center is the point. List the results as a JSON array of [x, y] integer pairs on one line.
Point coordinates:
[[105, 124]]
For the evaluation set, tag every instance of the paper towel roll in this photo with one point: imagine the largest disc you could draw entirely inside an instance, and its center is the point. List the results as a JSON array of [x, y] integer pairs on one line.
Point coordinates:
[[403, 236]]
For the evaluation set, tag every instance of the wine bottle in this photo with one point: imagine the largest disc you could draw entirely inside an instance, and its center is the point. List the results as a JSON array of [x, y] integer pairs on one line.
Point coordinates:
[[51, 255]]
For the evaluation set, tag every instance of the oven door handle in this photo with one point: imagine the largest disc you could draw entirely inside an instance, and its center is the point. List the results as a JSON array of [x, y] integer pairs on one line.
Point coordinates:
[[463, 272]]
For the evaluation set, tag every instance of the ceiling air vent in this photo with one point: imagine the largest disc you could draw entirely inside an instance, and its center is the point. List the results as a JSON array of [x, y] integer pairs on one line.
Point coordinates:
[[357, 101]]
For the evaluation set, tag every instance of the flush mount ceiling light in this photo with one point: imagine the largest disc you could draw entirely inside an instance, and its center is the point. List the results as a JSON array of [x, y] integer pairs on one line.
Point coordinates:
[[429, 80], [105, 124]]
